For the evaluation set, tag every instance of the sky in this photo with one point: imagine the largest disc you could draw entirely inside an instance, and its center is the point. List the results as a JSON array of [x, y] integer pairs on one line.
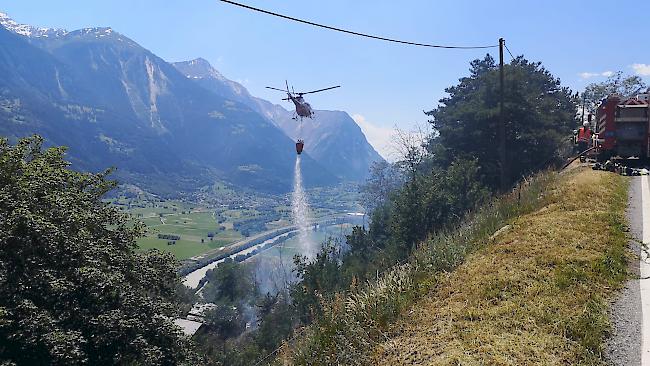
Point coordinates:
[[384, 85]]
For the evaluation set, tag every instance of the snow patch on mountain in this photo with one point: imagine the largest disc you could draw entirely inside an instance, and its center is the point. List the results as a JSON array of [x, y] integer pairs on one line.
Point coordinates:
[[28, 30], [43, 32], [201, 69], [98, 32]]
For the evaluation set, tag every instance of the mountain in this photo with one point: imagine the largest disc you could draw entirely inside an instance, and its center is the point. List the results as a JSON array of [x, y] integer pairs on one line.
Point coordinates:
[[29, 30], [332, 138], [115, 103]]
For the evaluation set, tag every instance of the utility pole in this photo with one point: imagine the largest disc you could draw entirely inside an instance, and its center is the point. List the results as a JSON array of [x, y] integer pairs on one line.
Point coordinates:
[[502, 123], [584, 100]]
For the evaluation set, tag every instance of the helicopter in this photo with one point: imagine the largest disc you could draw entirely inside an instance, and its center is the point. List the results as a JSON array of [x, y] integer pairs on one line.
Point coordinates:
[[303, 109]]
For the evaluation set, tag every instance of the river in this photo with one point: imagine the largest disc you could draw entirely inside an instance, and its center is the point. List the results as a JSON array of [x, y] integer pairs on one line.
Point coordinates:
[[193, 279]]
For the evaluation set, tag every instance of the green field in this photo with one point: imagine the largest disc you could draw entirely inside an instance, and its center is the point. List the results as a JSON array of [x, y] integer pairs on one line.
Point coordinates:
[[192, 227], [183, 249], [189, 221], [222, 208]]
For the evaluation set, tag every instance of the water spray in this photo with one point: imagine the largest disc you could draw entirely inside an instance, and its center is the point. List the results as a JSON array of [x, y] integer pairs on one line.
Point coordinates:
[[300, 212]]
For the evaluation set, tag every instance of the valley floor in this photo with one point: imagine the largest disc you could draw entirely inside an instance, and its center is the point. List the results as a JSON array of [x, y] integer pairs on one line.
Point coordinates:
[[539, 293]]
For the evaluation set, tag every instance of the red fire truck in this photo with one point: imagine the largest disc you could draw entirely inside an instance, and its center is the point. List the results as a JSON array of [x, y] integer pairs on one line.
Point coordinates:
[[623, 128]]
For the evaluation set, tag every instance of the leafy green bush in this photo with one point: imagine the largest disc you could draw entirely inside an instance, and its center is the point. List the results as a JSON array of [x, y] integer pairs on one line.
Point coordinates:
[[73, 289]]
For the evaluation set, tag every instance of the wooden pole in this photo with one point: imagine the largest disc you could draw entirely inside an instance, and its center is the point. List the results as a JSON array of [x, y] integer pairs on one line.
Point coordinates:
[[502, 124]]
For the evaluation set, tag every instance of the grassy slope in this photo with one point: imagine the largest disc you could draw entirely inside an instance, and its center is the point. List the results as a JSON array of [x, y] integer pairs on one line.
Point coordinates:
[[537, 294]]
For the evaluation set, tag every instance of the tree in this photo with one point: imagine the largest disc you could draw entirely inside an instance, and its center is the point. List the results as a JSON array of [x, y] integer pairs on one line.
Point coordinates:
[[462, 187], [539, 115], [276, 321], [73, 289], [318, 277], [230, 283], [626, 86], [225, 320], [407, 224], [384, 178]]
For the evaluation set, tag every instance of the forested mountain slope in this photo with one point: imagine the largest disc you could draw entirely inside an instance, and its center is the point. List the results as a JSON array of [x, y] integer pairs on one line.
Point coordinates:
[[115, 103]]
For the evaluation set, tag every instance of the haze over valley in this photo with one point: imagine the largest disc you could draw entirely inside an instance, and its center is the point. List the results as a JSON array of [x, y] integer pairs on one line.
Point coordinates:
[[167, 128], [254, 182]]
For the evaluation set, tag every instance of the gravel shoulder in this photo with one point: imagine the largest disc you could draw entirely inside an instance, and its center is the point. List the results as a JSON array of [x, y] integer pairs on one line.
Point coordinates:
[[624, 345]]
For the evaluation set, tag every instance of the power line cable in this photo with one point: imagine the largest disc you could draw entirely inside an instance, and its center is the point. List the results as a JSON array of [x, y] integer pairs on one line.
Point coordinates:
[[352, 32], [511, 56], [356, 34]]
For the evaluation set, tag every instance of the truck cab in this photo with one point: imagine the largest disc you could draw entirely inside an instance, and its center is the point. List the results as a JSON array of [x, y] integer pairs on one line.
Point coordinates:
[[623, 127]]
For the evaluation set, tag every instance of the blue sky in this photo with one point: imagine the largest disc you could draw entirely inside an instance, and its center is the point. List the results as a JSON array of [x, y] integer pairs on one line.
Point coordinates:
[[383, 85]]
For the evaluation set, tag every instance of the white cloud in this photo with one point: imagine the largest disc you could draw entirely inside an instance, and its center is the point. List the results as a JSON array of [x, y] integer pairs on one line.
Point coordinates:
[[641, 69], [589, 75], [379, 137]]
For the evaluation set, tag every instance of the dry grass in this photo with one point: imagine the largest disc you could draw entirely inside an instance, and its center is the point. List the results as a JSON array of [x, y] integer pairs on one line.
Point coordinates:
[[537, 294], [354, 323]]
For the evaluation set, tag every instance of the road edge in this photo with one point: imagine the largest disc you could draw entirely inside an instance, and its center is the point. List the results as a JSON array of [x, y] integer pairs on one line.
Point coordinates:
[[623, 346]]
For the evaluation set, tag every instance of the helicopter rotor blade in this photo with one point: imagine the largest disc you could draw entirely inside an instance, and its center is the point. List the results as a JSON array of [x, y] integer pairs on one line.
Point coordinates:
[[319, 90], [287, 84], [284, 91]]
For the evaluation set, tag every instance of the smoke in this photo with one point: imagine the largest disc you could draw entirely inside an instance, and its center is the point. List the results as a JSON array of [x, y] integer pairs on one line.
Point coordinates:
[[274, 275], [300, 212]]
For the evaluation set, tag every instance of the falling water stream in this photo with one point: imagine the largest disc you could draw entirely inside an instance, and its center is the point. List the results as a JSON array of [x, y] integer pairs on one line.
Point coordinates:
[[300, 211]]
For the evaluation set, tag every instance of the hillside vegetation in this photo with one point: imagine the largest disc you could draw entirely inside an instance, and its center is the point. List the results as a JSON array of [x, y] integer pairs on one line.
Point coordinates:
[[440, 204], [534, 290], [427, 212], [73, 288], [537, 294]]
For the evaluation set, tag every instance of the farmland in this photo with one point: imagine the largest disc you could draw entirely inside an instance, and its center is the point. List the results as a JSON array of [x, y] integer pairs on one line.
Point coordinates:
[[185, 229], [220, 215]]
